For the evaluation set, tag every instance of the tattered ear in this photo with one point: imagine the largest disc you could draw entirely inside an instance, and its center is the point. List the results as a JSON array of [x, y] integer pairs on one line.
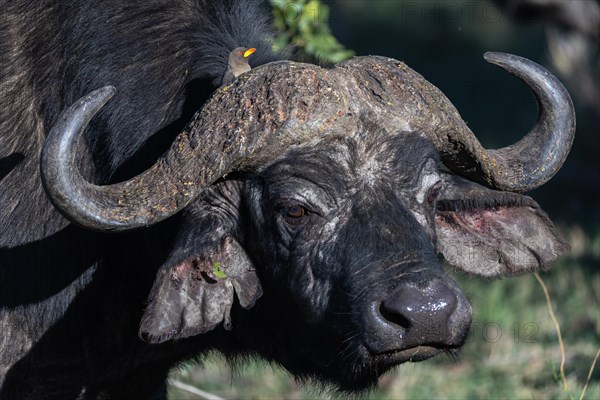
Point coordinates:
[[494, 234], [195, 294]]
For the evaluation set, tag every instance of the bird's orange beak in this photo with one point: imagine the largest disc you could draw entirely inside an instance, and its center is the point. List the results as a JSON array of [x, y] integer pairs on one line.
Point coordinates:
[[249, 51]]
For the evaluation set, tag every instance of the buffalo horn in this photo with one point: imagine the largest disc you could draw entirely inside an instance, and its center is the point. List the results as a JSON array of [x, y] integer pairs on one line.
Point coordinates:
[[396, 98], [534, 159], [231, 132]]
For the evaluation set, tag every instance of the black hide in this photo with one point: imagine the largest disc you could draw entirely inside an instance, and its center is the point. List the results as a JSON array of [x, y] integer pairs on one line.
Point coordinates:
[[324, 261]]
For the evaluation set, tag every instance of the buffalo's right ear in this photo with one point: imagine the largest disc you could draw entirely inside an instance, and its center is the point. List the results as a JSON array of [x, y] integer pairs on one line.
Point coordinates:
[[194, 292], [492, 233]]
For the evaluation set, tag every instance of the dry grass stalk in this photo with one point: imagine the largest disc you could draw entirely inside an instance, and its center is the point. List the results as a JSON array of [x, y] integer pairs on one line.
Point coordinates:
[[557, 327]]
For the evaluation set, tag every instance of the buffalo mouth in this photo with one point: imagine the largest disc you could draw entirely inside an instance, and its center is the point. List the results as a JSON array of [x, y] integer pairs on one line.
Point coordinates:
[[368, 367], [392, 358], [413, 354]]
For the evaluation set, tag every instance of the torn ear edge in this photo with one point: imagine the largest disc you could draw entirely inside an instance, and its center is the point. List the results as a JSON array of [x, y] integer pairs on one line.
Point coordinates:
[[195, 292], [495, 234]]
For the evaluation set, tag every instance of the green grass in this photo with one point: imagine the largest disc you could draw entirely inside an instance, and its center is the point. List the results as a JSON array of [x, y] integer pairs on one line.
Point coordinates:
[[512, 351]]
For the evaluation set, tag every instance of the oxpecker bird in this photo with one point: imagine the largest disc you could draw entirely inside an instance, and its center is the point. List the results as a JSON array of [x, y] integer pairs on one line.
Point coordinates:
[[237, 64]]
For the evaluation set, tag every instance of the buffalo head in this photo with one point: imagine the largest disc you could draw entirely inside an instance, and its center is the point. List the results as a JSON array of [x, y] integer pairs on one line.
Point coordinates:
[[330, 193]]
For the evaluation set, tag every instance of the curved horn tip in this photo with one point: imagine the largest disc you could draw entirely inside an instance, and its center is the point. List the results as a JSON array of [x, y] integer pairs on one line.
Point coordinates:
[[517, 65], [91, 103], [102, 95], [495, 57], [511, 63], [500, 58], [58, 154], [549, 142]]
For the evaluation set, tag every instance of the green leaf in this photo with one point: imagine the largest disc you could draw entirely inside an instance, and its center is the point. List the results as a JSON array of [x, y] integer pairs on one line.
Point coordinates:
[[216, 268]]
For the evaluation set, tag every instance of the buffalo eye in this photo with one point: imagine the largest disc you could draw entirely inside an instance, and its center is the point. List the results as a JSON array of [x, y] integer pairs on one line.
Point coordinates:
[[434, 192], [293, 213]]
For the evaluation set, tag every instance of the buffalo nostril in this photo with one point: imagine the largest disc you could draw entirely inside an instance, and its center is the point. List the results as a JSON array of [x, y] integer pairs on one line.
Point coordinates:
[[420, 310], [394, 316]]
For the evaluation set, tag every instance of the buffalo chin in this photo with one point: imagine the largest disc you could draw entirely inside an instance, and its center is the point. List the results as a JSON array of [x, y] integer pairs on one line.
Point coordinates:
[[366, 368]]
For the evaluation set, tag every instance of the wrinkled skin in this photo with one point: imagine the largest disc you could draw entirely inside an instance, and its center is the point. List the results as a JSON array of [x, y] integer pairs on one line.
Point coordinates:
[[358, 242], [327, 266], [343, 238], [323, 260]]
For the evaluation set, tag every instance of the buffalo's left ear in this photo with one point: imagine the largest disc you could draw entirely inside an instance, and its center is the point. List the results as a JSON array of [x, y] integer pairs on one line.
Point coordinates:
[[195, 292], [492, 233]]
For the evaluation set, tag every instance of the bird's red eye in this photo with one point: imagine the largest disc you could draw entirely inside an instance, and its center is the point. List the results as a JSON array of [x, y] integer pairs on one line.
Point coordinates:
[[241, 53]]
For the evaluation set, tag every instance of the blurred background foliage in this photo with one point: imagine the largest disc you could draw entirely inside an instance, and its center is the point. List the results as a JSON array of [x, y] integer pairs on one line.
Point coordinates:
[[513, 350], [303, 26]]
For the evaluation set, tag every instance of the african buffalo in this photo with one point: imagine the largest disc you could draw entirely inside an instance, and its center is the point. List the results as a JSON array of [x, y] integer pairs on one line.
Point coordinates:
[[297, 216]]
